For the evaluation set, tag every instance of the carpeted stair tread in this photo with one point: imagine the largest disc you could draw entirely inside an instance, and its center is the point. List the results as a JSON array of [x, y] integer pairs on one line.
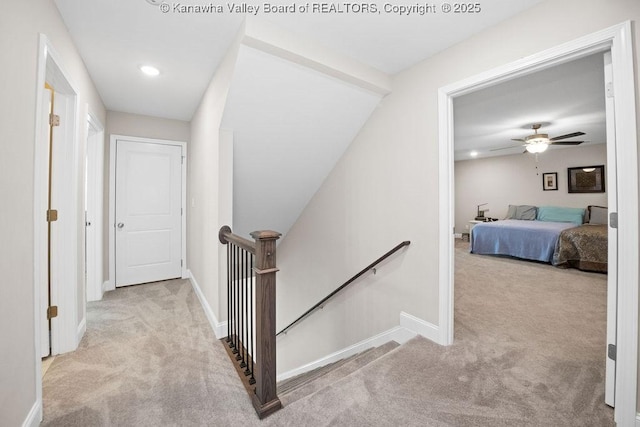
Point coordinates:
[[292, 383], [334, 373]]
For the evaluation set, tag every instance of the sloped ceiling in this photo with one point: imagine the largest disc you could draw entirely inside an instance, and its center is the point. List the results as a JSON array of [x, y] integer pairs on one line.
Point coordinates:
[[291, 124]]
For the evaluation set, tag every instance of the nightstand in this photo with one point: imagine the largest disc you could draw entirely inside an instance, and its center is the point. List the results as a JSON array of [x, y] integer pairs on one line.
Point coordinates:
[[473, 223]]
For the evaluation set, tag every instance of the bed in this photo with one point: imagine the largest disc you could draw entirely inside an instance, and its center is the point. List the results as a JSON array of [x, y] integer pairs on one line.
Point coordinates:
[[583, 247], [526, 239], [553, 235]]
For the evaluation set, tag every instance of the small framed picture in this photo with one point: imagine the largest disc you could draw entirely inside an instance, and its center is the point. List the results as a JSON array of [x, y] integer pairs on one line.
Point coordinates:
[[550, 181], [586, 179]]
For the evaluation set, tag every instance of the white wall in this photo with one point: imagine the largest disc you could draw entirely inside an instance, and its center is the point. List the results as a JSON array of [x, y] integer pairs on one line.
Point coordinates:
[[20, 23], [513, 180], [385, 190], [204, 181], [146, 127]]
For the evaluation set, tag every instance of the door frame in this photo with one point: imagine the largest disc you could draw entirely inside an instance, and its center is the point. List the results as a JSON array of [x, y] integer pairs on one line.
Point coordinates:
[[94, 200], [619, 40], [66, 331], [113, 139]]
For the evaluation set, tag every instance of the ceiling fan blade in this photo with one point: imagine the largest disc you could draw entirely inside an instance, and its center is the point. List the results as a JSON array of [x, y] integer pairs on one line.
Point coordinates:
[[518, 139], [566, 142], [505, 148], [569, 135]]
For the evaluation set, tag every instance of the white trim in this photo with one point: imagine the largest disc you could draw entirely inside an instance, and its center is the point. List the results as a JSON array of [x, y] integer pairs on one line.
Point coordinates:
[[612, 256], [398, 334], [64, 295], [94, 192], [637, 419], [219, 328], [272, 39], [82, 328], [39, 232], [112, 197], [410, 326], [620, 40], [34, 417], [420, 327], [105, 286]]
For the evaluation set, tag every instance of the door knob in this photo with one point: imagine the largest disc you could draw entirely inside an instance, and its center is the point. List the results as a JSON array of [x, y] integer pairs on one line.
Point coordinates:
[[120, 225]]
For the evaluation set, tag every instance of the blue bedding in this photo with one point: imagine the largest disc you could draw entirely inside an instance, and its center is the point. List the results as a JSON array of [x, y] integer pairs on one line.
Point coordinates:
[[533, 240]]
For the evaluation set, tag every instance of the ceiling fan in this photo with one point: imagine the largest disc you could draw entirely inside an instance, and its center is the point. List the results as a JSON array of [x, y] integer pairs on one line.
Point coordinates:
[[539, 142]]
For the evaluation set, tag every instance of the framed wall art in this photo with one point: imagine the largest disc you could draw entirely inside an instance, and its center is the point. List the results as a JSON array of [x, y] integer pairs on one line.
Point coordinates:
[[550, 181], [586, 179]]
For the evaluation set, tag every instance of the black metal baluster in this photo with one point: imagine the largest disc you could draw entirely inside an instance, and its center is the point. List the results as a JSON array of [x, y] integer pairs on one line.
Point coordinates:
[[246, 313], [240, 355], [232, 319], [252, 380], [239, 303], [235, 301], [229, 293]]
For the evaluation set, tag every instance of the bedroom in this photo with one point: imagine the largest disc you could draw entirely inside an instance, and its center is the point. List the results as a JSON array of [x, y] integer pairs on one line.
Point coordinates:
[[565, 99]]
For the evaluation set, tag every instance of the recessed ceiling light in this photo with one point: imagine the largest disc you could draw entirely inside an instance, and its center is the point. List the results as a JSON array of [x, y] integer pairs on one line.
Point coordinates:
[[149, 70], [473, 153]]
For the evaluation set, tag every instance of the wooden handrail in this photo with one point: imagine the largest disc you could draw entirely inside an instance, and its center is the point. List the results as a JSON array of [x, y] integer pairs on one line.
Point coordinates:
[[347, 283], [225, 235], [262, 360]]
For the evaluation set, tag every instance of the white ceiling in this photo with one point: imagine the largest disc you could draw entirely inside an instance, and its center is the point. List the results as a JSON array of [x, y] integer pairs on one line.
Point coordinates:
[[114, 37], [290, 124], [565, 99]]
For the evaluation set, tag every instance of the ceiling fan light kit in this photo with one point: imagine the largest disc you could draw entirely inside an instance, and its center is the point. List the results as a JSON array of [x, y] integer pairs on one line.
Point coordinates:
[[539, 142], [537, 138], [538, 147]]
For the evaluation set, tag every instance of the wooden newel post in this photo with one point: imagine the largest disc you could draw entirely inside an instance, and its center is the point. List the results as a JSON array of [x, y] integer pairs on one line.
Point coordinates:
[[265, 400]]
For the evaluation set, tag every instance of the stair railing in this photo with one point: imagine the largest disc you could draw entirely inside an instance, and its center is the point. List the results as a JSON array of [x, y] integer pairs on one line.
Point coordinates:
[[251, 326], [370, 267]]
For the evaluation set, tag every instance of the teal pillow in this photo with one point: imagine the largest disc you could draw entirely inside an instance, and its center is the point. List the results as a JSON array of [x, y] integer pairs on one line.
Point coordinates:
[[559, 214]]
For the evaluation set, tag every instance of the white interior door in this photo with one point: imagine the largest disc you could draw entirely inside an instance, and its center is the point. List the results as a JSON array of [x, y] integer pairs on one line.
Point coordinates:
[[612, 202], [45, 337], [94, 185], [148, 221]]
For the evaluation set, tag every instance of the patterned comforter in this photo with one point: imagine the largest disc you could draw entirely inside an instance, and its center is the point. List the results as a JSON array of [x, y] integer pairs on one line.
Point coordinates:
[[583, 247]]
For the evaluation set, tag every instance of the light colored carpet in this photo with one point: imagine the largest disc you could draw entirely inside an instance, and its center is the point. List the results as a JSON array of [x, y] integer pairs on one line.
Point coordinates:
[[528, 351]]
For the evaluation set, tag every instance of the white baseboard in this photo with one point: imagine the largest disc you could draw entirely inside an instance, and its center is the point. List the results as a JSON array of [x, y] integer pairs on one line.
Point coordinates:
[[410, 326], [398, 334], [219, 328], [82, 328], [420, 327], [637, 419], [108, 286], [34, 417]]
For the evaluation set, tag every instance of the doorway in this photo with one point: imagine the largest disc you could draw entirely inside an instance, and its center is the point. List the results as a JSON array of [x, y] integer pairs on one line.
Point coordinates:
[[57, 235], [147, 210], [617, 39]]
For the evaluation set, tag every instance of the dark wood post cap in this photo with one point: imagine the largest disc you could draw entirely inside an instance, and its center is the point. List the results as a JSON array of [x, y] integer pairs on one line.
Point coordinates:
[[266, 235]]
